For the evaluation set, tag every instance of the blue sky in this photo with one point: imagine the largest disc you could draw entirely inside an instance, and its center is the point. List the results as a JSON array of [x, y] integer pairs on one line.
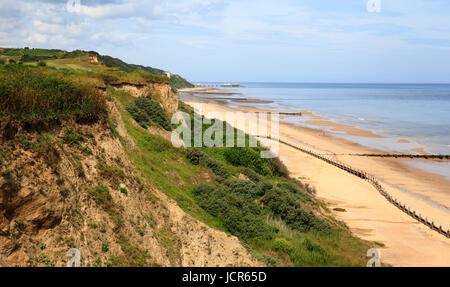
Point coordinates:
[[248, 40]]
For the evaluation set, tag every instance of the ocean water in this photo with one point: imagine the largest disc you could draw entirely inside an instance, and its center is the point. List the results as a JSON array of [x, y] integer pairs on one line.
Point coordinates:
[[419, 113]]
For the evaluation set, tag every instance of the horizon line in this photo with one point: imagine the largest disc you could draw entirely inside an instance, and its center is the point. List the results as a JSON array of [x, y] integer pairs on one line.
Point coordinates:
[[353, 83]]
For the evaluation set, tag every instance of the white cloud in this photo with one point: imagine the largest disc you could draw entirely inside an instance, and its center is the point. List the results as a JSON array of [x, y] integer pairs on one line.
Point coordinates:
[[36, 38]]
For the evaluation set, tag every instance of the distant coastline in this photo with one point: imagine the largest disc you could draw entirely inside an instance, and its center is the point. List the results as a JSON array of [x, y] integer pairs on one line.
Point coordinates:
[[369, 215]]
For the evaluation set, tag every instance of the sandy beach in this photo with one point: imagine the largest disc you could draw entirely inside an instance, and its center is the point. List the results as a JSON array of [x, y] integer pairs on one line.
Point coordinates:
[[368, 214]]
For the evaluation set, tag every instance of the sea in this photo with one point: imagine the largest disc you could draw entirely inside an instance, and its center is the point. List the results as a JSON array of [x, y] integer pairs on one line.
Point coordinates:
[[419, 113]]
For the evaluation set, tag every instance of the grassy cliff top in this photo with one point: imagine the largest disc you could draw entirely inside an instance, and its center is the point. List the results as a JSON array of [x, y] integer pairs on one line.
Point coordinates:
[[42, 94], [92, 61]]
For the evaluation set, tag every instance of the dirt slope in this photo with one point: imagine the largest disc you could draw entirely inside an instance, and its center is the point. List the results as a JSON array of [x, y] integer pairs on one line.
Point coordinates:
[[73, 185]]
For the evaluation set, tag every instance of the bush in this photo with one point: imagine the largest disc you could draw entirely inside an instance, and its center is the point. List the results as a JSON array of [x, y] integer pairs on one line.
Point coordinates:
[[251, 158], [105, 247], [277, 167], [217, 168], [147, 112], [138, 115], [241, 217], [251, 174], [289, 187], [265, 185], [245, 187], [293, 188], [286, 205], [282, 245], [124, 191], [246, 157], [42, 64], [196, 156], [2, 61]]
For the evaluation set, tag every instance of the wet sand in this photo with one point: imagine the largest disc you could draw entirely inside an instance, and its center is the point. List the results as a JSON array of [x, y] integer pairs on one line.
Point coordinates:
[[350, 130], [369, 215], [420, 150]]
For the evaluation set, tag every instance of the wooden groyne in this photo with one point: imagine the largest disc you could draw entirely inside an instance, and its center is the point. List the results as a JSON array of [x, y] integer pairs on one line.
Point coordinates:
[[420, 156], [361, 174], [290, 114]]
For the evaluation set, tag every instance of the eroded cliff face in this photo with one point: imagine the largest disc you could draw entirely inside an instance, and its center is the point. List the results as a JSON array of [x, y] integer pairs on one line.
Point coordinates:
[[161, 93], [75, 187]]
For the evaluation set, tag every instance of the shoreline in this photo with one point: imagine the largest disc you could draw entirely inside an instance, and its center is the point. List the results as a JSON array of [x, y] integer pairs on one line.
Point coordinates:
[[368, 214]]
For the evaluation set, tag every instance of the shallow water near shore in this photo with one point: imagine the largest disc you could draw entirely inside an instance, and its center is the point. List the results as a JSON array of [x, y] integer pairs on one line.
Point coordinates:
[[419, 113]]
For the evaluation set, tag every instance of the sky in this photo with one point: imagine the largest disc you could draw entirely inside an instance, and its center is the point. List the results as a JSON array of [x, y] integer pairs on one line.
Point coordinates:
[[406, 41]]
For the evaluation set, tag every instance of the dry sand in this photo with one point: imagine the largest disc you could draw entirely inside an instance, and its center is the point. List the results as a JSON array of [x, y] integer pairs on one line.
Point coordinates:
[[369, 215]]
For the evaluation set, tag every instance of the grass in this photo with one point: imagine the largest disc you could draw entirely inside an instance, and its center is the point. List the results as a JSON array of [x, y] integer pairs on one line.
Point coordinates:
[[379, 244], [114, 174], [71, 137], [133, 255], [102, 197], [44, 259], [40, 95], [112, 77]]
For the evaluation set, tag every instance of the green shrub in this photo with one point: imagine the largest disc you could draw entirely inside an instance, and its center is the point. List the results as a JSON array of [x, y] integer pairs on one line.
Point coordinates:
[[289, 187], [42, 64], [246, 157], [286, 205], [196, 156], [138, 115], [251, 158], [217, 168], [251, 174], [277, 167], [146, 112], [265, 186], [124, 191], [245, 187], [294, 189], [282, 245], [2, 61], [240, 216]]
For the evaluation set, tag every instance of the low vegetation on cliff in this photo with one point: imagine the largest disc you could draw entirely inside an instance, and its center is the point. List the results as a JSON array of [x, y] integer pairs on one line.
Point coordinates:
[[91, 60]]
